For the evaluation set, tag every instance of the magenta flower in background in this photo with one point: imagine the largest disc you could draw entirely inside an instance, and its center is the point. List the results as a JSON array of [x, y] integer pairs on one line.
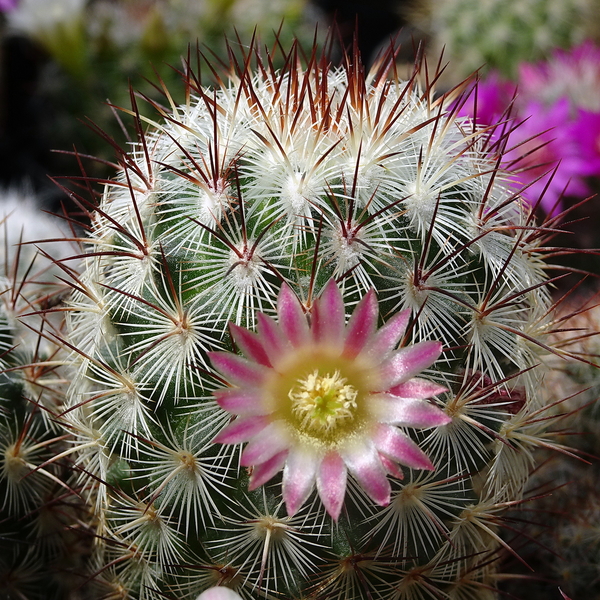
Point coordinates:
[[493, 96], [586, 130], [544, 140], [321, 399], [553, 126], [557, 113]]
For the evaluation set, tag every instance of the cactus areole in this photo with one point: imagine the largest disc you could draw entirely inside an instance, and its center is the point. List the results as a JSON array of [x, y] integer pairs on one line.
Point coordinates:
[[308, 300]]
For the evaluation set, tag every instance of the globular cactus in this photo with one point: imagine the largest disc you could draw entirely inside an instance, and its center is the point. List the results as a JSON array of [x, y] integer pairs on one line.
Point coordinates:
[[337, 214], [41, 553]]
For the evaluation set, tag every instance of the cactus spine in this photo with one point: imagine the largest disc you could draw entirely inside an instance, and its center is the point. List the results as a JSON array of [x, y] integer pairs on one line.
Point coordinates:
[[42, 554]]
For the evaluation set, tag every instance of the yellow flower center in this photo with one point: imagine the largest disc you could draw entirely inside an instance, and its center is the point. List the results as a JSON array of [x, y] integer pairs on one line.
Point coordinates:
[[322, 403]]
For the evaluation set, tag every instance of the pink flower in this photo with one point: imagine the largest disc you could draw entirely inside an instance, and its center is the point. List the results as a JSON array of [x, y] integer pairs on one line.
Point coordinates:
[[586, 130], [543, 140], [321, 399], [219, 593], [490, 98], [572, 74]]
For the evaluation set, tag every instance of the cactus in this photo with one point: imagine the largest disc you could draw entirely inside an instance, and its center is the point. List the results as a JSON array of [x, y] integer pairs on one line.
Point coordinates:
[[40, 549], [337, 214], [563, 517], [500, 34]]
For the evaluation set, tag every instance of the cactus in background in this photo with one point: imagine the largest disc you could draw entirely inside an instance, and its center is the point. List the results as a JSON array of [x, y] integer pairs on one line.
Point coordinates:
[[40, 549], [337, 215], [564, 517], [500, 34]]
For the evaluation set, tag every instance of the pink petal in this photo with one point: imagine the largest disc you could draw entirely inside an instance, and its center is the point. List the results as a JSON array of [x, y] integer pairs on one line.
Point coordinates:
[[417, 388], [406, 363], [240, 401], [238, 370], [391, 467], [249, 343], [329, 316], [219, 593], [292, 319], [387, 338], [271, 441], [274, 342], [399, 447], [263, 472], [362, 324], [241, 430], [406, 411], [331, 483], [298, 479], [363, 462]]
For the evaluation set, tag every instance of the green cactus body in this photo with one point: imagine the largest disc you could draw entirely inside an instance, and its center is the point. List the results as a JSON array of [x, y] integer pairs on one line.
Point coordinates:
[[292, 179]]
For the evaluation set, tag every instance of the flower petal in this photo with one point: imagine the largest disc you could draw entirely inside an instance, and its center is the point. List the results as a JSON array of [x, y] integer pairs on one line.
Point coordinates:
[[243, 402], [417, 388], [329, 316], [292, 319], [331, 483], [272, 440], [387, 338], [361, 325], [391, 467], [298, 478], [241, 430], [274, 342], [363, 462], [264, 471], [219, 593], [249, 343], [411, 412], [399, 447], [238, 370], [406, 363]]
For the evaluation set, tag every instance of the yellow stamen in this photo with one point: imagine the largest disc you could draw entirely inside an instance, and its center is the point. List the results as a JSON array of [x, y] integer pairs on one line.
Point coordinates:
[[322, 403]]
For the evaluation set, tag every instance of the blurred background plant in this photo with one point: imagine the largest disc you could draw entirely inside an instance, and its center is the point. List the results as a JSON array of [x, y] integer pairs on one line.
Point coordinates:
[[65, 61], [43, 533], [501, 34]]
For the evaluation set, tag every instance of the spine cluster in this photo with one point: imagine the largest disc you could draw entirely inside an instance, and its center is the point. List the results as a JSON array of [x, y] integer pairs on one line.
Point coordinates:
[[45, 535]]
